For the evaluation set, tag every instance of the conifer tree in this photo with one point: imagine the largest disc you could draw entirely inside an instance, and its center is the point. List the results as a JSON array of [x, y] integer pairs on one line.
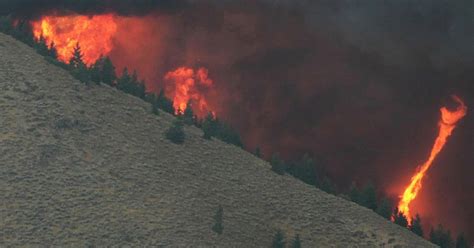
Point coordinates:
[[399, 218], [218, 226], [296, 243], [416, 227], [258, 152], [41, 46], [368, 197], [209, 126], [108, 72], [176, 132], [164, 103], [6, 24], [278, 165], [279, 240], [441, 237], [461, 241], [384, 208], [124, 80], [78, 68], [188, 115], [77, 57], [52, 51]]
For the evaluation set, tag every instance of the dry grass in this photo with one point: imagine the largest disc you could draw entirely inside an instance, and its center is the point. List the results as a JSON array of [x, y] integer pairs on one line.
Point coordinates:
[[84, 166]]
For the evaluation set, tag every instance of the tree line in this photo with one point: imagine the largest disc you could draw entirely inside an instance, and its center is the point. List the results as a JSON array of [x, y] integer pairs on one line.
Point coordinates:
[[305, 169]]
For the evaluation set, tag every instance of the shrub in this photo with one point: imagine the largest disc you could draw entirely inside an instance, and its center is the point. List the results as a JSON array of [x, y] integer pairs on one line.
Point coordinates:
[[279, 240], [278, 165], [176, 132], [218, 227]]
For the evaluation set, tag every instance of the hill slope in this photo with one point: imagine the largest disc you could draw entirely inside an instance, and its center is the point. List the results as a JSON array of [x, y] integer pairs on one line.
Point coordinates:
[[89, 166]]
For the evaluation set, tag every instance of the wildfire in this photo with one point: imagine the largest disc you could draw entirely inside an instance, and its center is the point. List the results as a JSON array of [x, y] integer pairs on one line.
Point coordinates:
[[186, 84], [94, 34], [446, 126]]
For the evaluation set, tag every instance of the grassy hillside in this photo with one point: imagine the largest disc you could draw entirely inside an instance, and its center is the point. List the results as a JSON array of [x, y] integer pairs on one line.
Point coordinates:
[[89, 165]]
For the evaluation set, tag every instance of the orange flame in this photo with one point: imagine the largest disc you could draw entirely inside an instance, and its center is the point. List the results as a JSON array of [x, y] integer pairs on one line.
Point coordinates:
[[94, 34], [446, 126], [186, 84]]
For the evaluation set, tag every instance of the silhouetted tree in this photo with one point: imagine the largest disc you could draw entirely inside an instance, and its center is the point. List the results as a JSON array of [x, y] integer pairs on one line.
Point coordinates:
[[188, 115], [441, 237], [41, 47], [176, 132], [368, 197], [218, 227], [278, 165], [384, 208], [77, 57], [6, 24], [461, 241], [326, 185], [399, 218], [22, 31], [52, 51], [296, 243], [258, 152], [416, 227], [279, 240], [164, 103], [96, 70], [305, 170], [354, 193], [209, 126], [227, 134]]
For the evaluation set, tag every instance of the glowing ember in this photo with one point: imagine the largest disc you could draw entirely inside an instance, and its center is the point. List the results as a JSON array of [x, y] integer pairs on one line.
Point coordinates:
[[94, 34], [186, 84], [446, 126]]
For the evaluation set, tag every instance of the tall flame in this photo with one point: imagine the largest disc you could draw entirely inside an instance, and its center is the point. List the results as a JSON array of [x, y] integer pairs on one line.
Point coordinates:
[[446, 126], [187, 84], [94, 34]]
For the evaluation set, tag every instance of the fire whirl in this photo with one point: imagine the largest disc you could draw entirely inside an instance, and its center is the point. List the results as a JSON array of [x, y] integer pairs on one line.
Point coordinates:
[[448, 122]]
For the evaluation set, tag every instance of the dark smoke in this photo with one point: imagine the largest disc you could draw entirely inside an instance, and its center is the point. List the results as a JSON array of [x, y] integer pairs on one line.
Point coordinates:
[[358, 84], [123, 7]]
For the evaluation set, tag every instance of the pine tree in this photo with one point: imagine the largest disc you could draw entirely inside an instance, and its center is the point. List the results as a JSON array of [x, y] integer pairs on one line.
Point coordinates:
[[78, 68], [108, 72], [96, 70], [384, 208], [368, 197], [188, 115], [6, 24], [218, 227], [416, 227], [164, 103], [209, 126], [41, 47], [278, 165], [296, 243], [441, 237], [354, 193], [124, 80], [399, 218], [52, 51], [461, 241], [77, 57], [279, 240], [258, 152], [176, 132]]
